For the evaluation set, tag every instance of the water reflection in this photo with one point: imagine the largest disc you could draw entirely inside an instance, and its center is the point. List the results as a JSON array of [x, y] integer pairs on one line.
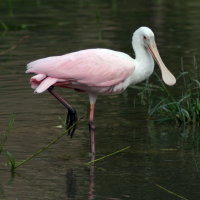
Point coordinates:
[[157, 152], [92, 183], [2, 193], [71, 184], [167, 137]]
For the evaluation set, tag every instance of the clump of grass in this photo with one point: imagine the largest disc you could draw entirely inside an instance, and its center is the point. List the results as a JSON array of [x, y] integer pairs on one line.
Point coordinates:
[[164, 105], [185, 108]]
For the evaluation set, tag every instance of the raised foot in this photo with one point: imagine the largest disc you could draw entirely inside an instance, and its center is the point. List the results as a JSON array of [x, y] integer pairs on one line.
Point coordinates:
[[71, 121], [71, 116]]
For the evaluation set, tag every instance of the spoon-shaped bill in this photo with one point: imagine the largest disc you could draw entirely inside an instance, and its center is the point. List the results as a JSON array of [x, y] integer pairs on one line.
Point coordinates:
[[167, 76]]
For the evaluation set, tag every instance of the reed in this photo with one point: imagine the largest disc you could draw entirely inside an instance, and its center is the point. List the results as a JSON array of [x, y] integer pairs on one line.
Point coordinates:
[[7, 133], [107, 156], [171, 192]]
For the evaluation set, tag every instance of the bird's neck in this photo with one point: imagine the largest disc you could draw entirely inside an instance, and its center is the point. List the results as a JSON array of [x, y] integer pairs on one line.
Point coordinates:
[[144, 64]]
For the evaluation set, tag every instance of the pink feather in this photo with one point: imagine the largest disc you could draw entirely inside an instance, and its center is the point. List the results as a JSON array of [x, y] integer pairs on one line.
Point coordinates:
[[90, 68]]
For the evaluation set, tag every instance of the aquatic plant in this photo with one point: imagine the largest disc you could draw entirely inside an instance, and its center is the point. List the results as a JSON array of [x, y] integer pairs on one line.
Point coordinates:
[[7, 133], [11, 160], [184, 109], [106, 156], [4, 140], [171, 192], [14, 164], [164, 105]]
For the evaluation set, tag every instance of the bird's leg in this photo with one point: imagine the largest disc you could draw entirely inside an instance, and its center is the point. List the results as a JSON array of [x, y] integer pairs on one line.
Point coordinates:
[[92, 131], [71, 116], [91, 123]]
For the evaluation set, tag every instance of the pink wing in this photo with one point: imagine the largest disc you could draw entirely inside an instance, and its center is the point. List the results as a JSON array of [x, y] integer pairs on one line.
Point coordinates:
[[91, 67]]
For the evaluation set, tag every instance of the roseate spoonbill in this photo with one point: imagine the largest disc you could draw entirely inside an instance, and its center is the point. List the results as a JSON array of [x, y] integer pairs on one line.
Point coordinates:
[[98, 71]]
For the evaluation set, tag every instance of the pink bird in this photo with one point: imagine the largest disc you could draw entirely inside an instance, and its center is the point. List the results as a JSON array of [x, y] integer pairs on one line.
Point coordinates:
[[98, 72]]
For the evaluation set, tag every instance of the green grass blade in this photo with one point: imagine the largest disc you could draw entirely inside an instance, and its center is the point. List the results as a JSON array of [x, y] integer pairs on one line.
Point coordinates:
[[54, 141], [109, 155], [170, 192], [7, 133], [11, 160]]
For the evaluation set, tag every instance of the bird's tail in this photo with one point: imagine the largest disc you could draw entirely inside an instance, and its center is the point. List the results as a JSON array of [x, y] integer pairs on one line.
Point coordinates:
[[41, 83]]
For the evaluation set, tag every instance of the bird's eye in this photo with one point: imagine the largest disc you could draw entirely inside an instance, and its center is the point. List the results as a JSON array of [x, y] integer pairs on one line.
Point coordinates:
[[145, 37]]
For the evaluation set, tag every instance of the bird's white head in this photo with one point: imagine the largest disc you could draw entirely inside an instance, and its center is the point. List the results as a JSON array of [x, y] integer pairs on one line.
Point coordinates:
[[144, 38]]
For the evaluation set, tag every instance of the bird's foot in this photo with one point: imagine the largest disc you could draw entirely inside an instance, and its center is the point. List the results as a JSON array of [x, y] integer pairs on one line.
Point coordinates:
[[71, 121], [71, 116]]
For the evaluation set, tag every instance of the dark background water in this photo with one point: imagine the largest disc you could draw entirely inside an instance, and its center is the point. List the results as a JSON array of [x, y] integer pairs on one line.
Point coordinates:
[[162, 154]]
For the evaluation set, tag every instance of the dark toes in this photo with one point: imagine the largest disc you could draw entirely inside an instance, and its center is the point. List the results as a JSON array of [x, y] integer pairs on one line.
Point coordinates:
[[71, 121]]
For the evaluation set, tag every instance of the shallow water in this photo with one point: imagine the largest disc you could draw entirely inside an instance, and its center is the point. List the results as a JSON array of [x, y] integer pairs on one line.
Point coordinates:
[[159, 154]]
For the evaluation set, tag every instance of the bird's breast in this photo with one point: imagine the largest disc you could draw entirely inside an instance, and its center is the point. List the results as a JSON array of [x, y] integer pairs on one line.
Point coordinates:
[[142, 72]]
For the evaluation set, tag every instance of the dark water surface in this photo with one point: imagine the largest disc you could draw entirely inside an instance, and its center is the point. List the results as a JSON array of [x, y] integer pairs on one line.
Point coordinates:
[[160, 154]]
